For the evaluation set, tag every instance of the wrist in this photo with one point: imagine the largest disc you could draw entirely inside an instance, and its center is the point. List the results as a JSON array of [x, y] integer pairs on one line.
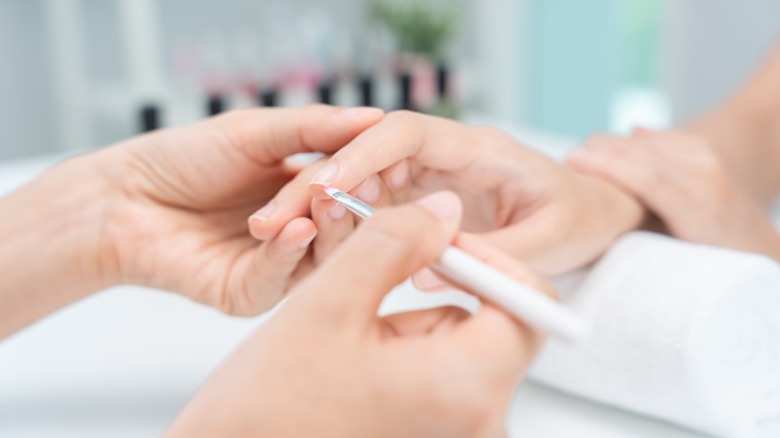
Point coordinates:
[[615, 209], [746, 137], [69, 205], [51, 243]]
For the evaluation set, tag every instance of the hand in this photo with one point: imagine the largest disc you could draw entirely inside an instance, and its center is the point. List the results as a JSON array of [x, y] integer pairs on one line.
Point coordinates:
[[176, 217], [678, 177], [515, 197], [326, 365]]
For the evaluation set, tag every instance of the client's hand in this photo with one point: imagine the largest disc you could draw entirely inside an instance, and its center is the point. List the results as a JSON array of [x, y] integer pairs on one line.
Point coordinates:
[[677, 176], [326, 365], [177, 212], [515, 197]]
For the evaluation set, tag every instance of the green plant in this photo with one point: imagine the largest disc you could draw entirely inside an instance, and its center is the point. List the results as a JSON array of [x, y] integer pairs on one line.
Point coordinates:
[[419, 27]]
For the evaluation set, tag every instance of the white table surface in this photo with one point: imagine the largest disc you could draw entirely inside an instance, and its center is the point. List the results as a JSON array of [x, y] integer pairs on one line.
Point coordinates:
[[123, 362]]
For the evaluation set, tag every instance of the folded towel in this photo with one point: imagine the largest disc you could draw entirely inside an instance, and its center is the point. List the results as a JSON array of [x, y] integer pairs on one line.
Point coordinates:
[[681, 332]]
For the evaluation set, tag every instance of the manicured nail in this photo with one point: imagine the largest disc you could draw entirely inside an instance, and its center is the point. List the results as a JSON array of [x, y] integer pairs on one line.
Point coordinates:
[[326, 175], [428, 280], [370, 190], [264, 213], [337, 212], [362, 112], [445, 206], [399, 175], [306, 241]]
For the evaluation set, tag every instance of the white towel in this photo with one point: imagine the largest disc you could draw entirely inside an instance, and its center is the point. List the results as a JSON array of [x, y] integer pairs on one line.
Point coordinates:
[[681, 332]]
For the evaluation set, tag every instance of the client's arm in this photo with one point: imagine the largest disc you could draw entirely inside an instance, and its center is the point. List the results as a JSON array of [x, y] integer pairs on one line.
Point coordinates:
[[679, 177], [745, 131], [710, 180], [50, 243]]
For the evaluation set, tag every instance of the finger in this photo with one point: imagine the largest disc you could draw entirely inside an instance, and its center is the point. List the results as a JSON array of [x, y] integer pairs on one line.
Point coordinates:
[[537, 240], [334, 224], [401, 135], [427, 280], [382, 253], [422, 322], [290, 202], [268, 135], [370, 190], [272, 265], [641, 132], [649, 173], [397, 176], [635, 169], [484, 248], [498, 342], [398, 180]]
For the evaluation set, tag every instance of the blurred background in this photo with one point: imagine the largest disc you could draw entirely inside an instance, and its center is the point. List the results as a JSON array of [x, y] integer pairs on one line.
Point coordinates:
[[78, 74]]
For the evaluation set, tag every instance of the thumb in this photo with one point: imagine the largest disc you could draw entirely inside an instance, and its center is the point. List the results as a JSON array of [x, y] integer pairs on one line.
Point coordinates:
[[382, 253], [269, 135]]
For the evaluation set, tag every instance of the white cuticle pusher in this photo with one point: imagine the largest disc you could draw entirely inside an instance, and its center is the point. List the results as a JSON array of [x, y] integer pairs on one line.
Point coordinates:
[[524, 303]]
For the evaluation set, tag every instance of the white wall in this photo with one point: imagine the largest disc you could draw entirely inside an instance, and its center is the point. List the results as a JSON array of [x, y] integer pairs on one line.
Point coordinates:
[[712, 47], [26, 117]]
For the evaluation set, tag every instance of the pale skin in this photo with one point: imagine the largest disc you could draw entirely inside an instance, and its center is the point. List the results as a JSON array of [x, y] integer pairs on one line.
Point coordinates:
[[168, 210], [710, 180], [353, 374], [517, 199]]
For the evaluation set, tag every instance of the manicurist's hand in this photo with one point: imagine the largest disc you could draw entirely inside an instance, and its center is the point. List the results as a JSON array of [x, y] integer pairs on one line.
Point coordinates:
[[514, 197], [326, 365], [180, 220], [678, 176], [168, 210]]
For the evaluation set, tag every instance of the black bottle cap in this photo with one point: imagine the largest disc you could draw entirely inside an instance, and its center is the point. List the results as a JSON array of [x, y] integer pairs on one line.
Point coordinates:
[[366, 86], [216, 105], [325, 92], [149, 118], [268, 97], [442, 80], [405, 83]]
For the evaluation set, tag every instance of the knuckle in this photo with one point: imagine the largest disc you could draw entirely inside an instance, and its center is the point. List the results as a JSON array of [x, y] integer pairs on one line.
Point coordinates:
[[598, 140], [409, 120], [237, 114], [404, 230], [491, 134], [648, 180]]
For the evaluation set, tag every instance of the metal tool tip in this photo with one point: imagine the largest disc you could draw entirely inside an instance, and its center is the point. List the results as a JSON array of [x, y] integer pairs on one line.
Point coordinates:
[[331, 191]]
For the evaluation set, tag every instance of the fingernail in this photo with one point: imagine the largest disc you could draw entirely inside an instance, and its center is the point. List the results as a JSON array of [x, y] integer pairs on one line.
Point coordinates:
[[305, 242], [578, 156], [444, 205], [370, 190], [326, 175], [362, 112], [264, 213], [399, 176], [337, 212], [428, 280]]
